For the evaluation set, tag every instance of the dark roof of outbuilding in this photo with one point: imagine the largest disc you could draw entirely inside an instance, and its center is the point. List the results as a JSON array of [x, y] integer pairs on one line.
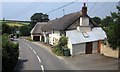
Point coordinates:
[[38, 26]]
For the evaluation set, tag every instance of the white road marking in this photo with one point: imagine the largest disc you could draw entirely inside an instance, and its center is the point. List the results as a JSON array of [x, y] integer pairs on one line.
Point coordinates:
[[38, 58], [42, 68], [30, 47], [34, 51]]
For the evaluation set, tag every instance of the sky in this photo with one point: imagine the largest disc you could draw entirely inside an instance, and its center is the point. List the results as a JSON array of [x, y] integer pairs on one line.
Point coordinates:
[[24, 10]]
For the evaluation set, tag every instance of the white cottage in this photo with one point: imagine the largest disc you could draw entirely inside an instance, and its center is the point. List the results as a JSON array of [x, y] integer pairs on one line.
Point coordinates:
[[85, 38], [84, 35]]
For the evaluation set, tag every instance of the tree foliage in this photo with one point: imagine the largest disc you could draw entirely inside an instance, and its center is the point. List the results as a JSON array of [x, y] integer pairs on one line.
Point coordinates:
[[111, 24], [9, 54], [62, 43], [106, 21], [25, 30], [38, 17], [6, 28], [97, 20]]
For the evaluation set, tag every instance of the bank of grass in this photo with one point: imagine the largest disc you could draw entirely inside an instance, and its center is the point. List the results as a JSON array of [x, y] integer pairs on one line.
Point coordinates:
[[28, 38], [17, 24]]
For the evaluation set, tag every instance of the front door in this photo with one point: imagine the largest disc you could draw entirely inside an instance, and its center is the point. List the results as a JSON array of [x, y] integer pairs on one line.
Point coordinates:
[[89, 48]]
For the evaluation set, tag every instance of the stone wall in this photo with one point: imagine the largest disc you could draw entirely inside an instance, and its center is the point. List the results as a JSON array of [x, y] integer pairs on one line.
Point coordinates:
[[108, 51]]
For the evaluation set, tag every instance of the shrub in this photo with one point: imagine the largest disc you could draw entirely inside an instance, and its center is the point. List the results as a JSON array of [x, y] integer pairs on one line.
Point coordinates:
[[57, 49], [10, 54], [63, 41]]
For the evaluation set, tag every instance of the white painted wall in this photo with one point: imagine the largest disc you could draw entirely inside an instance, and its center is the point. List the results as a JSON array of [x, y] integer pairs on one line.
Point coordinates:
[[44, 37], [69, 45], [54, 37], [85, 29], [84, 21], [50, 39], [40, 38], [31, 36]]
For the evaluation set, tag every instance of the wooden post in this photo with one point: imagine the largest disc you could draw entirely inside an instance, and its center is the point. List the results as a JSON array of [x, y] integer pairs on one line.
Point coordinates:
[[99, 46]]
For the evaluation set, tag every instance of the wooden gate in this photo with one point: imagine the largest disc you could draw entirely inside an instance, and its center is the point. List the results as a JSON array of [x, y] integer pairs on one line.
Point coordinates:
[[89, 46]]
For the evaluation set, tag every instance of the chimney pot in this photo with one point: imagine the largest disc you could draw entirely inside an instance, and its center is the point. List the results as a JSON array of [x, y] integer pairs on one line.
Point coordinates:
[[84, 4], [84, 10]]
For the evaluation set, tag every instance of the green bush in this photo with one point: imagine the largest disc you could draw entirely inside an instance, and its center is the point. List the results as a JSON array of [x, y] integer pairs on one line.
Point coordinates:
[[10, 54], [57, 49], [63, 41]]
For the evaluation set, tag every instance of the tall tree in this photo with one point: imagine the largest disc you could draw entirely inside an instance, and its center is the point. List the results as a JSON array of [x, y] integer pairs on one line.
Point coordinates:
[[112, 29], [6, 28], [25, 30], [38, 17], [97, 20], [106, 21]]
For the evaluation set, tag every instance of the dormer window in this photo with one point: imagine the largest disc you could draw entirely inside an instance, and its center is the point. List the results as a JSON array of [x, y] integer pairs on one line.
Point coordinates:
[[85, 34]]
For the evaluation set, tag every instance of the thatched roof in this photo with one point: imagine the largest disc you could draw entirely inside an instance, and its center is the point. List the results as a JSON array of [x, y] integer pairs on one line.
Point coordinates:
[[60, 23]]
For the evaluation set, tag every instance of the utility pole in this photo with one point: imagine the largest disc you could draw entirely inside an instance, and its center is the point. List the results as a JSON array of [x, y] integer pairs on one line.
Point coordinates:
[[63, 12], [118, 9]]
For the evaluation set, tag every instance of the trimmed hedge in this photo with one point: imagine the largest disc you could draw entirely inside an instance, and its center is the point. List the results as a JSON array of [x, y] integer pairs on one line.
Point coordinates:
[[10, 53]]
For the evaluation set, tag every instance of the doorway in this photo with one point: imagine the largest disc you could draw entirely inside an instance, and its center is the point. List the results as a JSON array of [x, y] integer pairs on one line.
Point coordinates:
[[89, 46]]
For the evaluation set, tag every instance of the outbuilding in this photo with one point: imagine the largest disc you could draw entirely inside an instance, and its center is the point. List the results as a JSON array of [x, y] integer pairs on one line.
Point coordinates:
[[36, 32], [85, 43]]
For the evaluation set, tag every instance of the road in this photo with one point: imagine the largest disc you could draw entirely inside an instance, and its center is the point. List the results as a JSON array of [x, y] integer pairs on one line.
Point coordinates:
[[34, 57]]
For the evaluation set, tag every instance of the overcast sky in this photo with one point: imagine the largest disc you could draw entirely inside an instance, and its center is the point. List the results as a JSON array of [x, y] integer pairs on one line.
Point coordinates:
[[24, 10]]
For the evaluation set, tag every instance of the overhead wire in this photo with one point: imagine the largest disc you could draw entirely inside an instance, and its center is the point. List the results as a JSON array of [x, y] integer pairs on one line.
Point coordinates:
[[92, 7], [101, 7], [61, 7], [24, 11], [28, 9], [20, 11]]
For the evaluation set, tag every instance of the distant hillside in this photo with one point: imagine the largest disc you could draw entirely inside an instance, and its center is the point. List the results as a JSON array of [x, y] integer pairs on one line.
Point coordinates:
[[15, 23]]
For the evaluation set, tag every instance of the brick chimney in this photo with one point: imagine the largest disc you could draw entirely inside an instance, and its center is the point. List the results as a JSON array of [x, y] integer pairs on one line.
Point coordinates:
[[84, 21], [84, 10]]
